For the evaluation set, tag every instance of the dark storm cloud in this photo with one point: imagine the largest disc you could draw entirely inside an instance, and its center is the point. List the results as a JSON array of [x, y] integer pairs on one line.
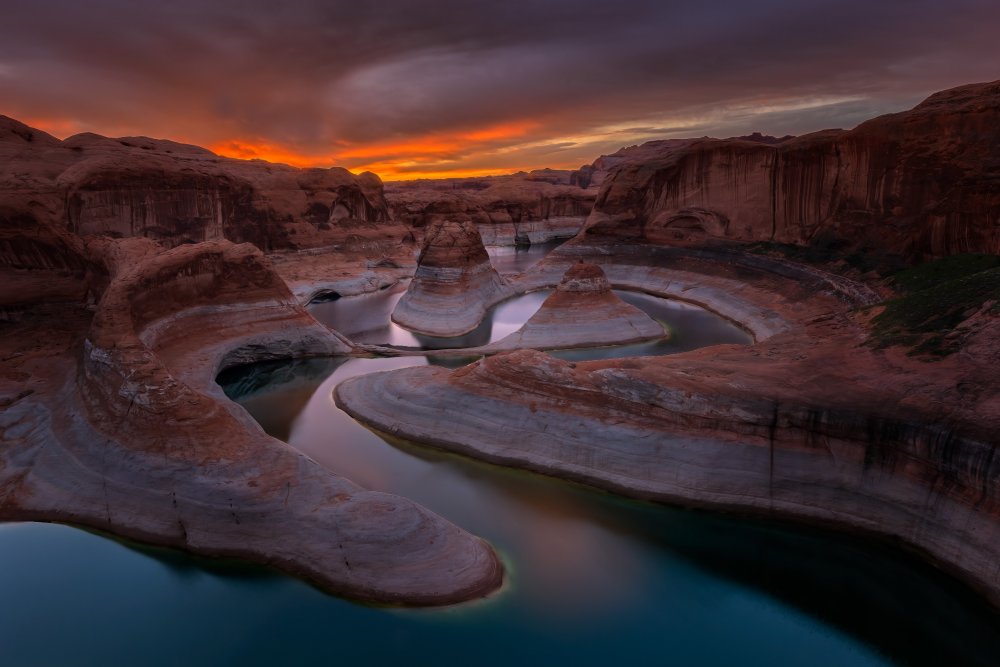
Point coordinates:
[[317, 78]]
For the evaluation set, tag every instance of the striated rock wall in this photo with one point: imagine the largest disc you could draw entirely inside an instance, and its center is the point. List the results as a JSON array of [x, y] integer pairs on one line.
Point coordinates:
[[521, 208], [660, 433], [454, 285], [175, 193], [919, 183], [42, 265], [582, 312]]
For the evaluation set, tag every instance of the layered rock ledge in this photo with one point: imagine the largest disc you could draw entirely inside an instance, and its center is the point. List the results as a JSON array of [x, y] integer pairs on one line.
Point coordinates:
[[810, 423], [324, 229], [519, 209], [454, 285], [582, 312], [138, 440], [908, 185]]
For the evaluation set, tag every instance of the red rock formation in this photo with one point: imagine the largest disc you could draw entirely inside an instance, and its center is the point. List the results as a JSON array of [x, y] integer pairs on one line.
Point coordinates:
[[176, 193], [917, 183], [140, 442], [809, 423], [42, 265], [521, 208], [454, 285], [582, 312]]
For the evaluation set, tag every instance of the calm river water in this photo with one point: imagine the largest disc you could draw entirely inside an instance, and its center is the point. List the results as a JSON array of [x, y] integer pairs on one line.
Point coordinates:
[[593, 579]]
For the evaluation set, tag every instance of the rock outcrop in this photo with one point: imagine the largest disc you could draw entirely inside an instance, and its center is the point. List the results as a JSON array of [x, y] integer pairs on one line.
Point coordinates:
[[812, 422], [510, 210], [455, 283], [176, 193], [322, 224], [139, 441], [582, 312], [325, 229], [919, 183], [40, 264]]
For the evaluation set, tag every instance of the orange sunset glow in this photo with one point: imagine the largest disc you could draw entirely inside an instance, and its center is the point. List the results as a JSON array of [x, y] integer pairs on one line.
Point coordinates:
[[432, 155], [467, 90]]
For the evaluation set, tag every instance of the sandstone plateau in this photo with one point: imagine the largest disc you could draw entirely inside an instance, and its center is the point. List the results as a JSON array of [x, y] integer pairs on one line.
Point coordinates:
[[133, 270], [321, 227], [921, 183]]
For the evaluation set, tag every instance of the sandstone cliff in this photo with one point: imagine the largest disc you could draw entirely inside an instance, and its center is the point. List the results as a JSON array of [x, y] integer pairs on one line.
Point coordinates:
[[521, 208], [176, 193], [924, 182]]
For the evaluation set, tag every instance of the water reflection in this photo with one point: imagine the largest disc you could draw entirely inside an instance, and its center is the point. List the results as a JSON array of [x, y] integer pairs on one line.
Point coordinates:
[[366, 319], [297, 379], [589, 565], [511, 259], [690, 327]]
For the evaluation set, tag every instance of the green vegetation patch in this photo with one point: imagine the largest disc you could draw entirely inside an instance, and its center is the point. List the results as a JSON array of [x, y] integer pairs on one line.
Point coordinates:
[[932, 274], [831, 253], [935, 297]]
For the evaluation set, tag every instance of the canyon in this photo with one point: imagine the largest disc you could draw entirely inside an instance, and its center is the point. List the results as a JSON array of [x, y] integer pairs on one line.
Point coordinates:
[[134, 270]]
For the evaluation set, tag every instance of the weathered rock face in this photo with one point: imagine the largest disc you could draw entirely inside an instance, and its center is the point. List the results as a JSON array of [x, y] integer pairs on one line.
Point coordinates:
[[593, 175], [454, 285], [42, 265], [582, 312], [175, 193], [811, 422], [140, 442], [918, 183], [521, 208]]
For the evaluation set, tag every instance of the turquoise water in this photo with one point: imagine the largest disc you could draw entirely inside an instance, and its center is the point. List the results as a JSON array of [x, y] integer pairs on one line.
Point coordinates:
[[592, 579]]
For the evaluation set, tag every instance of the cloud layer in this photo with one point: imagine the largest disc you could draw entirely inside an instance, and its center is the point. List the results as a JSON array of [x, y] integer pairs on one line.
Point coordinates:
[[416, 88]]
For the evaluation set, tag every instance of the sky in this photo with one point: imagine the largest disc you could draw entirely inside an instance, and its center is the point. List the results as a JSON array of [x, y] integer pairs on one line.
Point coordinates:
[[426, 88]]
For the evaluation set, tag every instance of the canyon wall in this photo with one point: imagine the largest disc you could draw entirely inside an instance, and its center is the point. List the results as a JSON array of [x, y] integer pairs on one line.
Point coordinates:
[[176, 193], [924, 182], [522, 208]]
